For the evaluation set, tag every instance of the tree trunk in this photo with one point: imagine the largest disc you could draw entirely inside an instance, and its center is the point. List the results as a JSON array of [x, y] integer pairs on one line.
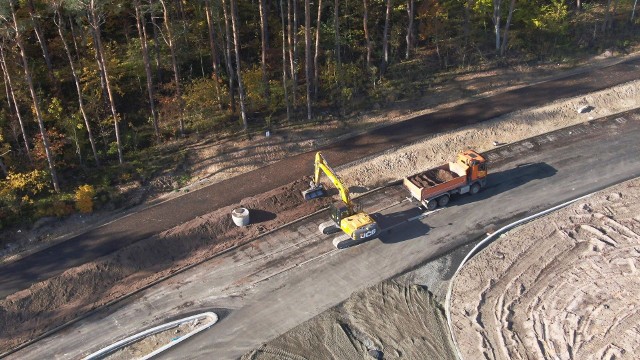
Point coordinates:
[[578, 5], [496, 22], [9, 83], [227, 32], [156, 42], [43, 46], [74, 73], [142, 33], [214, 52], [633, 12], [465, 26], [34, 97], [103, 84], [73, 36], [265, 45], [3, 167], [336, 26], [607, 17], [284, 63], [307, 53], [385, 39], [410, 12], [316, 53], [174, 62], [95, 24], [236, 43], [367, 38], [503, 46], [293, 48]]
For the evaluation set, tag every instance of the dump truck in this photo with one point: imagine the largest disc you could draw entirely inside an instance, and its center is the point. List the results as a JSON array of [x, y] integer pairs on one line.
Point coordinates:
[[434, 187]]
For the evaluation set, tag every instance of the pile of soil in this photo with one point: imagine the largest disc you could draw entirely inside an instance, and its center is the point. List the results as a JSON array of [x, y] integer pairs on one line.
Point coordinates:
[[562, 287], [390, 320], [28, 313]]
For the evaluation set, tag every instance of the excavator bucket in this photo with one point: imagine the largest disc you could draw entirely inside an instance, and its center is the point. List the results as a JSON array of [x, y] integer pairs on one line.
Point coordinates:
[[315, 191]]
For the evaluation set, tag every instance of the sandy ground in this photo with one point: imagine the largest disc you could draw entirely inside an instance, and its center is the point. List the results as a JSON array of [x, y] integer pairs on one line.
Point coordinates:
[[388, 321], [151, 343], [30, 312], [563, 287]]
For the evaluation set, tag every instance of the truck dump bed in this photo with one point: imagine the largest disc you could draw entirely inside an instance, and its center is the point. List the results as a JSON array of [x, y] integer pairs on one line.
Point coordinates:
[[433, 182]]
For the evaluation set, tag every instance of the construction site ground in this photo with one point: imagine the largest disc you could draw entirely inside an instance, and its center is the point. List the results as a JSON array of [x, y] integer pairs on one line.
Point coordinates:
[[267, 287], [563, 287], [246, 285]]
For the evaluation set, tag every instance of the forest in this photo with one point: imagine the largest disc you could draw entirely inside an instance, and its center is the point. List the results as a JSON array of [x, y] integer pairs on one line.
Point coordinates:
[[94, 90]]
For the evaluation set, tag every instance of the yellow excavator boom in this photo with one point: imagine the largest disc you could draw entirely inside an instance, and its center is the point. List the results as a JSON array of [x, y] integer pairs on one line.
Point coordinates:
[[321, 164]]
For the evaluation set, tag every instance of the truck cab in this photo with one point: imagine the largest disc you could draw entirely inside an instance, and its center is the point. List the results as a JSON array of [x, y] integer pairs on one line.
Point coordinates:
[[477, 165]]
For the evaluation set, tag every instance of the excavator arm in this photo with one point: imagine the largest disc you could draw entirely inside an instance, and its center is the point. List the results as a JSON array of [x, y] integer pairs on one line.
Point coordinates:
[[321, 165]]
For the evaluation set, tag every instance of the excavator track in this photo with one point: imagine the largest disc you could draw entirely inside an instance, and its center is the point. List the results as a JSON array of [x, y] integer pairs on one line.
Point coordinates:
[[328, 227]]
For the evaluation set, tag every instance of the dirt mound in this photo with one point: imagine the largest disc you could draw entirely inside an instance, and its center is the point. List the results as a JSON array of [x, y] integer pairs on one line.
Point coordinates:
[[28, 313], [389, 320], [564, 287]]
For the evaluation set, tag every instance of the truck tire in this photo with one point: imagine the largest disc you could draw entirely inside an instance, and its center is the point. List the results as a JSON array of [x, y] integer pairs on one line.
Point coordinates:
[[443, 200], [475, 188], [432, 204]]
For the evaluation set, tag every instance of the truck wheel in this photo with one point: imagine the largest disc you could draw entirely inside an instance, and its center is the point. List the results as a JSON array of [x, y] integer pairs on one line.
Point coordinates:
[[475, 188], [443, 200], [432, 204]]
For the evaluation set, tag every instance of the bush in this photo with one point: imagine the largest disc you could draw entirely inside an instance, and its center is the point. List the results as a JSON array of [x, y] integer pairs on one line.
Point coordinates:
[[84, 198]]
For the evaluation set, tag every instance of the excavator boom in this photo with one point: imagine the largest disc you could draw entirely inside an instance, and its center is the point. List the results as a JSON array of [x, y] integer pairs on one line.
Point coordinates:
[[322, 165]]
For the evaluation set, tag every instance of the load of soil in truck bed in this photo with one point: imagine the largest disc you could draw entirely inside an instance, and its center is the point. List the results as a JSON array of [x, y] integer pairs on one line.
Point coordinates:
[[433, 177]]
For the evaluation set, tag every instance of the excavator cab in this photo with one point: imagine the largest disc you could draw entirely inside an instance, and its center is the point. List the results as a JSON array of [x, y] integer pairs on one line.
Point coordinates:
[[339, 211]]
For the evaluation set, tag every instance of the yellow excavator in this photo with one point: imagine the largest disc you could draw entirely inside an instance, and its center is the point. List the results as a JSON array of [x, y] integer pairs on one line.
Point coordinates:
[[345, 215]]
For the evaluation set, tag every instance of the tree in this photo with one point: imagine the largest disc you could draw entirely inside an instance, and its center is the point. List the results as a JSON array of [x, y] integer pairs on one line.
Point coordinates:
[[227, 33], [43, 43], [409, 37], [94, 13], [142, 34], [503, 46], [316, 53], [34, 96], [284, 63], [11, 98], [307, 53], [214, 52], [57, 4], [170, 41], [292, 16], [385, 39], [264, 32], [633, 12], [367, 38], [236, 43]]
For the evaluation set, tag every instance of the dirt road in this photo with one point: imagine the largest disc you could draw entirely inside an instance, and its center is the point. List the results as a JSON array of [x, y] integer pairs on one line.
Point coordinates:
[[126, 231], [288, 280]]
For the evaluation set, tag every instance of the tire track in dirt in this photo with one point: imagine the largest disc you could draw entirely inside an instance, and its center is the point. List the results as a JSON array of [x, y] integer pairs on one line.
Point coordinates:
[[562, 287]]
